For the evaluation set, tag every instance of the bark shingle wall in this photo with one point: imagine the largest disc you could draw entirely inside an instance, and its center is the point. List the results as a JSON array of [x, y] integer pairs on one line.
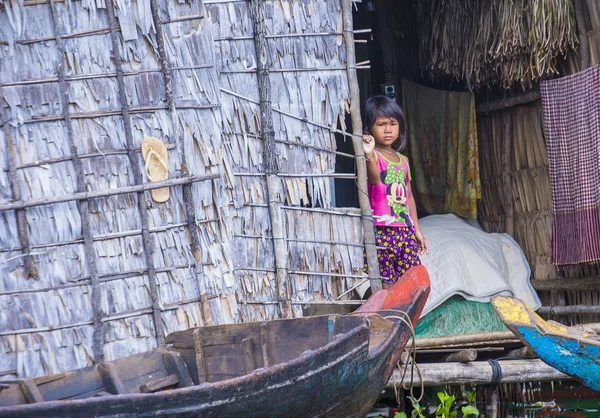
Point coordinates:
[[206, 112]]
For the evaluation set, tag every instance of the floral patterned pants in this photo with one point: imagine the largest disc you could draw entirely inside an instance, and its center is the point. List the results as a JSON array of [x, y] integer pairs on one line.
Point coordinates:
[[398, 251]]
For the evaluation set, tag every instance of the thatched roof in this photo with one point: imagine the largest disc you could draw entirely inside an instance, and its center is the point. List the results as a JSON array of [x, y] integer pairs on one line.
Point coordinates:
[[495, 43]]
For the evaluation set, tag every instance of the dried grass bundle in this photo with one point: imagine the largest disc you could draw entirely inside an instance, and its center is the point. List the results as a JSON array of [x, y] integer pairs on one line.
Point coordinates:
[[486, 42]]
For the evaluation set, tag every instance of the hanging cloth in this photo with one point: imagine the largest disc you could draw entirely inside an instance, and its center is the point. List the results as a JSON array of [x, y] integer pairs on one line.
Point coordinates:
[[572, 126], [444, 155]]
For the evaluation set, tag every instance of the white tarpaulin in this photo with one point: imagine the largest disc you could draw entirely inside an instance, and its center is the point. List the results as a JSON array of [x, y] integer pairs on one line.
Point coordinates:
[[464, 260]]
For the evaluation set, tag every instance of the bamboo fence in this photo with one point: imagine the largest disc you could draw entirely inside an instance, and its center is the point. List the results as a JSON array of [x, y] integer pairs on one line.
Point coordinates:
[[91, 268]]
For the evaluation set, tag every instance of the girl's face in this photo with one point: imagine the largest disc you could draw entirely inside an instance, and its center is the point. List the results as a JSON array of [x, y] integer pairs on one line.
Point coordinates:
[[385, 130]]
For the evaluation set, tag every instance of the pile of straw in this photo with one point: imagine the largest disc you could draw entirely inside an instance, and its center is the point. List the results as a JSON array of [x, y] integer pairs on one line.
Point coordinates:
[[503, 42]]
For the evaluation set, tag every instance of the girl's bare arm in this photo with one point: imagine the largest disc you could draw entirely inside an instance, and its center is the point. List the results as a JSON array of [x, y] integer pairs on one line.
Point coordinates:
[[372, 169], [423, 247]]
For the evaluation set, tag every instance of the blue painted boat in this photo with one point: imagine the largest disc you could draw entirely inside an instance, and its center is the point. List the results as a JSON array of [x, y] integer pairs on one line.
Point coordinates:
[[572, 350]]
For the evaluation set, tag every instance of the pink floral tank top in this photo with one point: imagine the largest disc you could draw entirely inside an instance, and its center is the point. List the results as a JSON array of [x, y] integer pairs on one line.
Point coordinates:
[[389, 198]]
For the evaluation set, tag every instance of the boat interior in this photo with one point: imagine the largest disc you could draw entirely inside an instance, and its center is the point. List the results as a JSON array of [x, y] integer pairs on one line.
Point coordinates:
[[197, 355]]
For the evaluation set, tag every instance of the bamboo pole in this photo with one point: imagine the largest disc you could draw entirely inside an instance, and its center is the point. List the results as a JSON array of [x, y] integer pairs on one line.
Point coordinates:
[[464, 356], [106, 193], [291, 115], [297, 70], [103, 278], [20, 214], [323, 211], [105, 319], [479, 373], [98, 337], [466, 339], [81, 77], [274, 187], [114, 235], [361, 166], [188, 197], [576, 284], [113, 112], [507, 132], [143, 203], [566, 310], [508, 102]]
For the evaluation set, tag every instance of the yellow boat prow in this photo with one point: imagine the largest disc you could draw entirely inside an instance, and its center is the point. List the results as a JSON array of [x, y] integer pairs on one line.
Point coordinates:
[[515, 312]]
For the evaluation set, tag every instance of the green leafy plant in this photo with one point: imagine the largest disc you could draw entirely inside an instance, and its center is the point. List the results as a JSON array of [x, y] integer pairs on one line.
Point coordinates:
[[469, 410], [400, 415], [417, 408], [445, 408]]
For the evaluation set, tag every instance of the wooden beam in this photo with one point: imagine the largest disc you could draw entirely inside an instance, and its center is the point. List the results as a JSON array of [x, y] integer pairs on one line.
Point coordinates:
[[480, 373], [357, 143], [200, 359], [508, 102]]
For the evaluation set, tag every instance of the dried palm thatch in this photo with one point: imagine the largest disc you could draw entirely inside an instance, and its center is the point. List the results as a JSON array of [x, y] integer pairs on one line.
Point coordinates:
[[90, 265], [507, 42], [589, 36]]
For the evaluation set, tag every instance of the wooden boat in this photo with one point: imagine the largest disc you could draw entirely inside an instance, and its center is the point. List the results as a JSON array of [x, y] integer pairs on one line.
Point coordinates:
[[333, 366], [572, 350]]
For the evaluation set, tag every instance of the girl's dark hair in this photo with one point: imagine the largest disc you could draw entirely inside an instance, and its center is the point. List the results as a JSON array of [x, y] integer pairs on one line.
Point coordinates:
[[383, 106]]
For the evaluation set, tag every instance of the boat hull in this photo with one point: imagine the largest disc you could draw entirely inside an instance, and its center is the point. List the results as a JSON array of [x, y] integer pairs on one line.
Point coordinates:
[[341, 379], [567, 349]]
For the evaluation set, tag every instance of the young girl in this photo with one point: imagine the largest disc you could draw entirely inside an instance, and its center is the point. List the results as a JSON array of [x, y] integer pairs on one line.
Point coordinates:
[[392, 202]]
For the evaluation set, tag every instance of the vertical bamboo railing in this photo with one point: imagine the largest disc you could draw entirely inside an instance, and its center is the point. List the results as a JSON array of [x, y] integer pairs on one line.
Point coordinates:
[[188, 197], [274, 186], [20, 214], [507, 138], [361, 166], [147, 239], [83, 204]]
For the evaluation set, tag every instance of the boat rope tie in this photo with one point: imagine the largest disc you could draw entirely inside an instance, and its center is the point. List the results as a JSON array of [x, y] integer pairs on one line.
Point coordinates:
[[496, 372], [412, 363]]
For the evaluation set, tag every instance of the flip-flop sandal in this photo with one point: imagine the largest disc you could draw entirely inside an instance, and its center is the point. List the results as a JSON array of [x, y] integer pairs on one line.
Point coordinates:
[[156, 157]]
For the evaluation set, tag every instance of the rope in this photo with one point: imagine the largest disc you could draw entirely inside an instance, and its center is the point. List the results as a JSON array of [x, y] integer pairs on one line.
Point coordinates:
[[406, 319], [496, 373]]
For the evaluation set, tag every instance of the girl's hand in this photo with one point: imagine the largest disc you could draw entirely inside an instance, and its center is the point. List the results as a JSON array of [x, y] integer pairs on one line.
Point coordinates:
[[368, 144], [421, 243]]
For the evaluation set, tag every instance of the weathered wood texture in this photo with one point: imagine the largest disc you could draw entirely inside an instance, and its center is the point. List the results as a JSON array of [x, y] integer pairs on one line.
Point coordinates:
[[517, 156], [480, 372], [198, 93]]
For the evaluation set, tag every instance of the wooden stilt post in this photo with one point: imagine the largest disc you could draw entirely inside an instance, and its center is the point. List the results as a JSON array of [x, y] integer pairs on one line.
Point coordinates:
[[361, 166], [274, 186]]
